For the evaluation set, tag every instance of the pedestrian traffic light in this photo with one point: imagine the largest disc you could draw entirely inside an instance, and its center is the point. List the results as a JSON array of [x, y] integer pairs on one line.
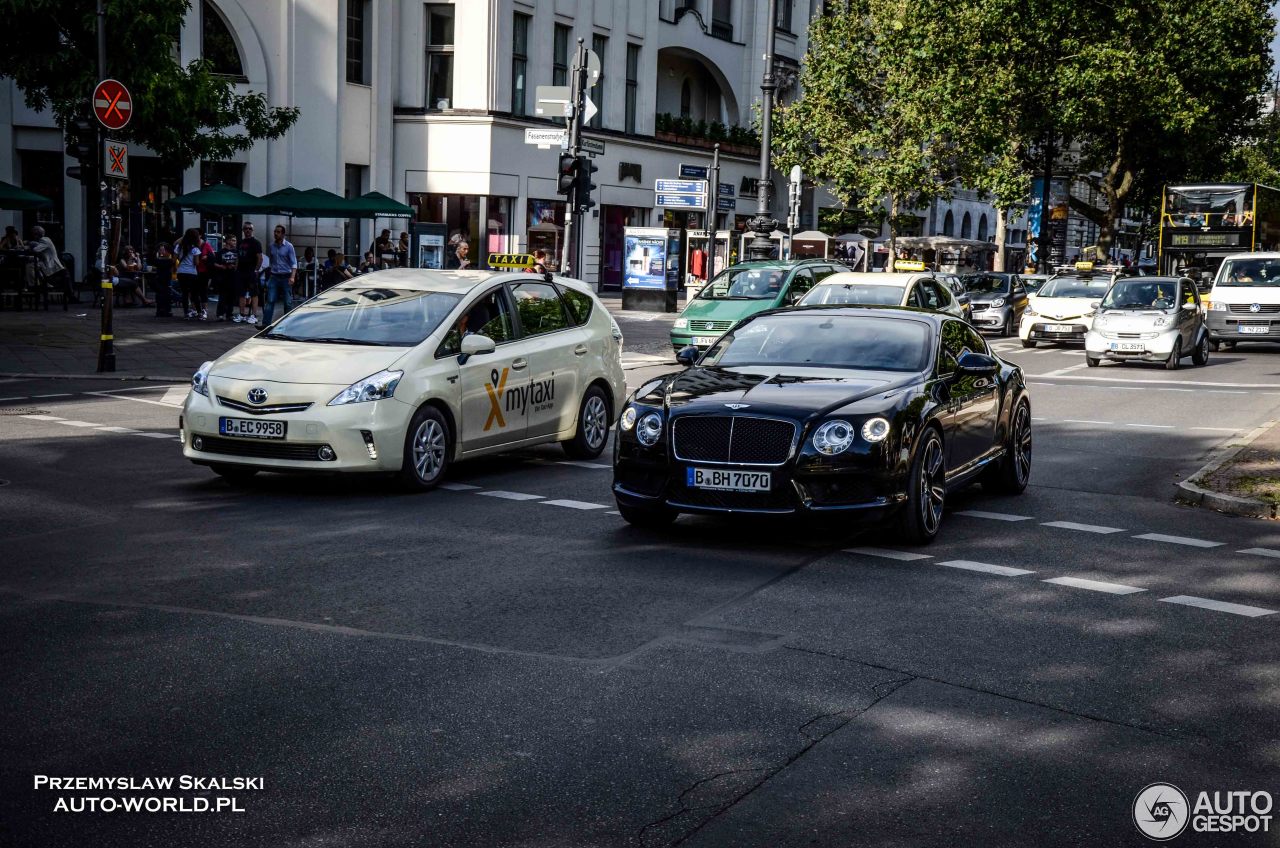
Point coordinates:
[[582, 197], [568, 175]]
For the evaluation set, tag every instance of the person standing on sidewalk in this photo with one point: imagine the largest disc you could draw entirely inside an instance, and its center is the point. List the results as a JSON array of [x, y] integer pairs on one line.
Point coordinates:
[[282, 273], [226, 267], [189, 276], [250, 260]]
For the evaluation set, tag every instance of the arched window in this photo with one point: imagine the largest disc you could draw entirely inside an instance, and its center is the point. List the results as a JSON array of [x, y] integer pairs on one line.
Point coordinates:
[[982, 228], [686, 100], [949, 224], [966, 226], [217, 45]]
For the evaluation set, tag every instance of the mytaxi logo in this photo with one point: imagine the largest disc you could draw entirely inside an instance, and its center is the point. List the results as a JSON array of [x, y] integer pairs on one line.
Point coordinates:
[[496, 387]]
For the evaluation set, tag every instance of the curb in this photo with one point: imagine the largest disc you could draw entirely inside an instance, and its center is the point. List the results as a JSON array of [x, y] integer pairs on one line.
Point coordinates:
[[1189, 493], [154, 378]]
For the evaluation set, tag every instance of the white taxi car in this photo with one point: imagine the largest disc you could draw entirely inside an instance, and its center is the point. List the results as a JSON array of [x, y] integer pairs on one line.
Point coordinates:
[[857, 288], [1063, 309], [408, 370]]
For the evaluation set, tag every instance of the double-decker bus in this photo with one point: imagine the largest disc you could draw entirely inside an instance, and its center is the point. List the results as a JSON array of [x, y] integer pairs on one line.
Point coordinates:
[[1202, 224]]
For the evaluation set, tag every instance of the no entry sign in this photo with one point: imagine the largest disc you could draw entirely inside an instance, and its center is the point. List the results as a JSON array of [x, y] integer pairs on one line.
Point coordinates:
[[112, 104]]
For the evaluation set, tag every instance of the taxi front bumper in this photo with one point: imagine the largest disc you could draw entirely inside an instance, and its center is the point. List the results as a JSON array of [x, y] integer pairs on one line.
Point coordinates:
[[357, 437], [1155, 348]]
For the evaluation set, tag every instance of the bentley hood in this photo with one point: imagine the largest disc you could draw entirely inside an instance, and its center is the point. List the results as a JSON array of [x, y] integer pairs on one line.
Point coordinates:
[[794, 392]]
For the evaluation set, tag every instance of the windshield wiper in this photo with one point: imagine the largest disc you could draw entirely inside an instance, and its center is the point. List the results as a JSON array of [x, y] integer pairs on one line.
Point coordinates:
[[282, 337], [339, 340]]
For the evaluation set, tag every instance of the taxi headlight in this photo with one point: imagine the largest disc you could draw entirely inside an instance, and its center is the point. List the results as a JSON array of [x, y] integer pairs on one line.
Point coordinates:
[[1031, 312], [628, 419], [833, 437], [680, 324], [649, 429], [997, 303], [875, 430], [200, 379], [1160, 321], [374, 387], [1102, 322]]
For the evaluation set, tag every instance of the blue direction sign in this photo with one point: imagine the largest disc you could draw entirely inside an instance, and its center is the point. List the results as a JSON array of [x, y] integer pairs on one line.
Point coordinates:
[[680, 187], [727, 190], [725, 204], [693, 172], [683, 201]]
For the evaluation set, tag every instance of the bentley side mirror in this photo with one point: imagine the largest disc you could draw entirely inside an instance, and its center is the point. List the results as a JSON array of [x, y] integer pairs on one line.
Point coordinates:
[[977, 365], [687, 356], [475, 345]]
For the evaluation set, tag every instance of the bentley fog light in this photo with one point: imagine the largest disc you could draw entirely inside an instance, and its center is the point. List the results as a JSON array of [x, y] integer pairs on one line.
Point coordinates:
[[649, 429], [833, 437], [875, 430]]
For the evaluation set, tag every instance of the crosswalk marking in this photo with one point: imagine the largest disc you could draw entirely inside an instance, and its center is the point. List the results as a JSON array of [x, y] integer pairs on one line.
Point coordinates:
[[986, 567], [1095, 585], [994, 516], [1218, 606], [510, 496], [1083, 528], [575, 504], [886, 553], [1179, 540]]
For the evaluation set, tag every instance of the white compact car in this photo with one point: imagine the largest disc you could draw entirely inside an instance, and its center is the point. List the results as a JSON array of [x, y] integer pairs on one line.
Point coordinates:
[[1149, 319], [921, 290], [407, 370], [1062, 311]]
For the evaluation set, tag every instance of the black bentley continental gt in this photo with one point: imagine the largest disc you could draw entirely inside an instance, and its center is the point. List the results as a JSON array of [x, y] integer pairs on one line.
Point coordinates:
[[862, 412]]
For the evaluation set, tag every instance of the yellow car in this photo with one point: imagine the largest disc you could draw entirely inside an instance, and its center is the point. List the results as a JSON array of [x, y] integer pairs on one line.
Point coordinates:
[[407, 370]]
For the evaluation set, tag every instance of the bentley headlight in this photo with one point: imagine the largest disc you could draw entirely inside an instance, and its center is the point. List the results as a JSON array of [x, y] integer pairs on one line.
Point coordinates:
[[875, 430], [628, 420], [374, 387], [649, 429], [833, 437], [997, 303], [200, 379], [680, 324]]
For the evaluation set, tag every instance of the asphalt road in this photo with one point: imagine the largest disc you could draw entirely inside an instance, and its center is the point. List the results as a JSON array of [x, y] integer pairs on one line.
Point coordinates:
[[506, 662]]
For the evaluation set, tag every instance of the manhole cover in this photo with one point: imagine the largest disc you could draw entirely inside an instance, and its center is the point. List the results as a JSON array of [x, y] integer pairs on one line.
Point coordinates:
[[22, 410]]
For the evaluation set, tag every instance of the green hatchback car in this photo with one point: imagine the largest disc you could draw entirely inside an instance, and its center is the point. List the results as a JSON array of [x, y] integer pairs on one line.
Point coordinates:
[[741, 291]]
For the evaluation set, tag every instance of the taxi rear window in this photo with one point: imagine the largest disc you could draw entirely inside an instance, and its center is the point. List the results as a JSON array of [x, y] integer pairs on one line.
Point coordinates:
[[579, 304]]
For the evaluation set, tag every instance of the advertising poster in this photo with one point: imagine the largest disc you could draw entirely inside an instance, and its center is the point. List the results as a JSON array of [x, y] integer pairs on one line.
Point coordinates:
[[646, 262]]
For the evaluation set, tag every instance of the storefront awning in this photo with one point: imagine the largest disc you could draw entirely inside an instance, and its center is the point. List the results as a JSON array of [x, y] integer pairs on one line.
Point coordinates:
[[220, 199], [16, 199]]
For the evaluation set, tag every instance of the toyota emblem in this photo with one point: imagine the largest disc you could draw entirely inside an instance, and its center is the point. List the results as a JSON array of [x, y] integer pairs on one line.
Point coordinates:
[[1255, 307], [257, 395]]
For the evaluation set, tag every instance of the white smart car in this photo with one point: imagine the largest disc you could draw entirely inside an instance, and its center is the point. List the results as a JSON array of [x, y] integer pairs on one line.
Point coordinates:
[[1149, 319], [1062, 311], [407, 370], [856, 288]]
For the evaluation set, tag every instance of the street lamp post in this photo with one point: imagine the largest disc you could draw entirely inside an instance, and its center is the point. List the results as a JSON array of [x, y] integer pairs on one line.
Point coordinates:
[[764, 224]]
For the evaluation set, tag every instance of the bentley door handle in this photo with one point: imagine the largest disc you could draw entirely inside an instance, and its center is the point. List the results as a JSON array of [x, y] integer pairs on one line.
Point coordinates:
[[520, 364], [581, 350]]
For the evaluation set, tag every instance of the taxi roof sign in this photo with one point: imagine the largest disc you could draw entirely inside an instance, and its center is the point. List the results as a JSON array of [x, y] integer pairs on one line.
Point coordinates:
[[1084, 266], [908, 265], [512, 260]]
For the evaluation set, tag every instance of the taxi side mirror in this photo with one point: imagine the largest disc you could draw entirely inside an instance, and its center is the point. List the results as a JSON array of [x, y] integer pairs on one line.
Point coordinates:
[[686, 356], [1189, 307], [475, 345], [1096, 305]]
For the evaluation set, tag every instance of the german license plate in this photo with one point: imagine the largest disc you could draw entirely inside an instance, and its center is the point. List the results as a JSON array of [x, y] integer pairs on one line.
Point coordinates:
[[728, 481], [704, 341], [1134, 347], [251, 428], [1059, 328], [1252, 329]]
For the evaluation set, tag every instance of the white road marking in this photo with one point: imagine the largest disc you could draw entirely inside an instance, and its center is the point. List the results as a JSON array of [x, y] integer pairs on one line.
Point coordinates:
[[134, 399], [987, 568], [886, 553], [128, 430], [1095, 585], [583, 464], [1226, 392], [1266, 552], [1151, 426], [1041, 385], [1219, 606], [23, 397], [1179, 540], [1083, 528], [994, 516], [78, 423], [61, 394], [613, 512], [176, 396], [1066, 370], [459, 487], [1084, 421], [575, 504], [510, 496], [1035, 418], [43, 417], [1190, 391], [1055, 375], [1217, 429], [158, 435]]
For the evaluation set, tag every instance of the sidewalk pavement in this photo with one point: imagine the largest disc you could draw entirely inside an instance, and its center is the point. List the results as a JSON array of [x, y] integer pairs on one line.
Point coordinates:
[[1242, 478]]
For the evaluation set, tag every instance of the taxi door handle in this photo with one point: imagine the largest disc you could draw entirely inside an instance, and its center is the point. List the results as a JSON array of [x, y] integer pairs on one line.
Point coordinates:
[[520, 364], [581, 350]]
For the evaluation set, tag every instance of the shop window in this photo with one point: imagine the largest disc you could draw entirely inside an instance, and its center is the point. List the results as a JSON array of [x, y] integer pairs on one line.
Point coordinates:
[[439, 56], [217, 44], [546, 229]]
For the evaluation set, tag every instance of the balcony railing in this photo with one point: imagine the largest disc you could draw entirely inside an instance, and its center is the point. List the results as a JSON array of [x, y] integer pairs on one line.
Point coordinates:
[[687, 131]]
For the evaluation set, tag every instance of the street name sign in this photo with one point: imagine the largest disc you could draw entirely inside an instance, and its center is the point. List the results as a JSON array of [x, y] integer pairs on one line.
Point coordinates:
[[544, 139], [592, 146]]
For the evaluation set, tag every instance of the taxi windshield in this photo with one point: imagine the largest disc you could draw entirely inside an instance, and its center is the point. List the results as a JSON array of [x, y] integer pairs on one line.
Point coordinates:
[[1142, 294], [1249, 272], [825, 341], [853, 293], [1075, 287], [744, 284], [366, 316], [987, 284]]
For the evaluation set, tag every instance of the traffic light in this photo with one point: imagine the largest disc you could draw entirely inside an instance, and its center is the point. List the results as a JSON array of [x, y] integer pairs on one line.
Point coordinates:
[[82, 145], [568, 175], [582, 196]]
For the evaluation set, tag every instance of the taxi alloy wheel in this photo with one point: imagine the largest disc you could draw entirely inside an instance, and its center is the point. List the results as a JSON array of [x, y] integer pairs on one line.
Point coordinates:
[[1200, 356], [593, 426], [427, 450], [1175, 357]]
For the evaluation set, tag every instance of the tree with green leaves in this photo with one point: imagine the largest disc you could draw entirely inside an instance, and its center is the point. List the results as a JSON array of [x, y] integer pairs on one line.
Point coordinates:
[[184, 114]]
